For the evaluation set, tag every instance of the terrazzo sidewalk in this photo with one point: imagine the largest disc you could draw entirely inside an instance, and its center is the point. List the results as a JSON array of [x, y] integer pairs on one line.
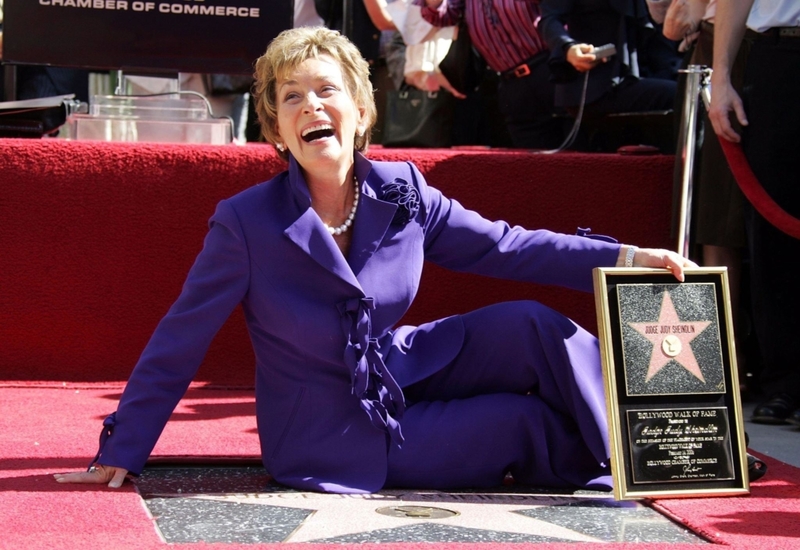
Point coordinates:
[[241, 505]]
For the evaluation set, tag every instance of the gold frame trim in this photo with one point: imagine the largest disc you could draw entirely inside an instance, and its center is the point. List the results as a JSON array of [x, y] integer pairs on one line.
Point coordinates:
[[604, 279]]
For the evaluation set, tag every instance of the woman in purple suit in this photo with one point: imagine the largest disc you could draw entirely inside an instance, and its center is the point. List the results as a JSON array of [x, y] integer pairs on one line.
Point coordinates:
[[325, 259]]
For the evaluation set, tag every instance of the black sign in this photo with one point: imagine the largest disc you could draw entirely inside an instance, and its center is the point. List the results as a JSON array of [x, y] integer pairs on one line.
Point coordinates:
[[680, 445], [170, 36]]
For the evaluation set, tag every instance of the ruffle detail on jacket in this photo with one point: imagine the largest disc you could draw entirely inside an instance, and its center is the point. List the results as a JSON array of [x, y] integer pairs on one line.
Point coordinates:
[[405, 196], [380, 394]]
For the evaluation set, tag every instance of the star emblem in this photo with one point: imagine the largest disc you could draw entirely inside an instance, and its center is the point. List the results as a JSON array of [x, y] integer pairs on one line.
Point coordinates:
[[252, 511], [671, 340], [336, 516]]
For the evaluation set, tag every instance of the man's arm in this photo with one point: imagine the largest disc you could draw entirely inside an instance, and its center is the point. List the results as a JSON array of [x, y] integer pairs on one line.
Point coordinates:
[[379, 15], [729, 27], [440, 13], [554, 30], [683, 18]]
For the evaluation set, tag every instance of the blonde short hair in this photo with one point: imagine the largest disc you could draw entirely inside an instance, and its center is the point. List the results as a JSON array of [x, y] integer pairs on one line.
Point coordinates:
[[287, 51]]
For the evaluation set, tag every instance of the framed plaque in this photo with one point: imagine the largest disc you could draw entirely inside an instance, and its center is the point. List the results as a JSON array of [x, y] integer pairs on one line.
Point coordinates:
[[672, 390]]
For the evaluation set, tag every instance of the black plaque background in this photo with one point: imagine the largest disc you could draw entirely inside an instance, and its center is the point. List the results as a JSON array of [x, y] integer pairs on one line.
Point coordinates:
[[705, 345], [685, 401], [703, 448]]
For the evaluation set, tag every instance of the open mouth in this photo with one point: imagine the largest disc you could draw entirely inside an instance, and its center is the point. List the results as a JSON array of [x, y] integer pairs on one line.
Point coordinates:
[[317, 132]]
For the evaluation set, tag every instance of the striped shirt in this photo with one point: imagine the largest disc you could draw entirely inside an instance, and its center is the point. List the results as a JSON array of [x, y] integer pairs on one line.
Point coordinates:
[[503, 31]]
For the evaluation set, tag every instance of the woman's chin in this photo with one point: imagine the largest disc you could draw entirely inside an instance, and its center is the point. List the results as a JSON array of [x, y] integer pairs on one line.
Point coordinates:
[[330, 152]]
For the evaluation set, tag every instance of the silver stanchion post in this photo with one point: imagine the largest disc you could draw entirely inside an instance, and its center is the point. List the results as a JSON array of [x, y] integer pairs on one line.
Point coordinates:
[[696, 78]]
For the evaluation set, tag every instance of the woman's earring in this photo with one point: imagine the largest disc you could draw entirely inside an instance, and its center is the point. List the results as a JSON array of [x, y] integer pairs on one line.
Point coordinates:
[[280, 147]]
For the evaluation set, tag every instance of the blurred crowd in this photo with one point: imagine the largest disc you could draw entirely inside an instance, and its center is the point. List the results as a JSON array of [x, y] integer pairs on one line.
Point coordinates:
[[533, 60]]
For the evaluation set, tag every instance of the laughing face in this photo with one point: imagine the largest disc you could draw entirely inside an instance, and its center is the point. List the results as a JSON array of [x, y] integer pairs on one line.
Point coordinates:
[[317, 117]]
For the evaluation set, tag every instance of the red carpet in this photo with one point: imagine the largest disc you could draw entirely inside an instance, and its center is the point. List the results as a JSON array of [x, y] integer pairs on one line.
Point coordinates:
[[51, 429], [97, 238]]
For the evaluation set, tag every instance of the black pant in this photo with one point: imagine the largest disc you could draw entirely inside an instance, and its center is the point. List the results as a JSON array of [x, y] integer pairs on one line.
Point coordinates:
[[771, 143], [634, 95], [527, 105]]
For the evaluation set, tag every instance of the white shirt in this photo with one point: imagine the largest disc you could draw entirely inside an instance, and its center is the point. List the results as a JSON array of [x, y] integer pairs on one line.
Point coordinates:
[[767, 14], [305, 14]]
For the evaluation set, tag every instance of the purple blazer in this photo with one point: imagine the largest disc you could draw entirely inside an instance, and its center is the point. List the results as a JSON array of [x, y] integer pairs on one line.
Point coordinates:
[[329, 364]]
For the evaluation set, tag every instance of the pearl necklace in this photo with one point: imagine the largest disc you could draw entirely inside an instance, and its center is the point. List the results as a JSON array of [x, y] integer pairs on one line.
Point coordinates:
[[349, 221]]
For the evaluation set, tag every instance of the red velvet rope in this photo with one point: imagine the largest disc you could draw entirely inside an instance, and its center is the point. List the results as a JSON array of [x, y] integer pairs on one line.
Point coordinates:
[[752, 189]]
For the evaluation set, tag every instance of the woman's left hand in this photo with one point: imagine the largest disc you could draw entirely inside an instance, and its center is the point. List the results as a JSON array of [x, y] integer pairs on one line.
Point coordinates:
[[658, 258], [98, 473]]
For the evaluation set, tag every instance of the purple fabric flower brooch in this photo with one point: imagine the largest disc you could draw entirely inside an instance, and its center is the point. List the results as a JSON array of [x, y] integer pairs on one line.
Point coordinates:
[[405, 195]]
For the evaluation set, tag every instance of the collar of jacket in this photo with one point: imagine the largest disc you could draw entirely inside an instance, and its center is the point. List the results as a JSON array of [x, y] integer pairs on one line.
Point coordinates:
[[373, 219], [362, 168]]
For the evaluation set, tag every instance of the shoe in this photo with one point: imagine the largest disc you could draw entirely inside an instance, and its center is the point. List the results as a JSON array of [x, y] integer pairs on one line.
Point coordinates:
[[756, 468], [794, 418], [775, 410]]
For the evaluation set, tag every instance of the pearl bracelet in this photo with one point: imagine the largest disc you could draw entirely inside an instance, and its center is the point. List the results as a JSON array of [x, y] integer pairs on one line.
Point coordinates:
[[629, 256]]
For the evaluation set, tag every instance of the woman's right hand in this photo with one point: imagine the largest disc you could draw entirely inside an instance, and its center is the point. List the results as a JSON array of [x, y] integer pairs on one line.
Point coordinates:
[[98, 473]]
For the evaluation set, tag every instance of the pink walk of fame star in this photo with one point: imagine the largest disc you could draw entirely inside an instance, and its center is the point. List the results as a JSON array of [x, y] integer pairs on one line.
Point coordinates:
[[671, 337]]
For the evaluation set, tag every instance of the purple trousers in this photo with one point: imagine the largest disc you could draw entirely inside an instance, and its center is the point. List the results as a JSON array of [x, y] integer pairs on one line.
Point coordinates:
[[525, 396]]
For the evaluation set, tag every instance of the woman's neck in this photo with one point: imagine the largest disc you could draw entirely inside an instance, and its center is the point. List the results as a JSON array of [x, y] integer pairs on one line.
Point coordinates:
[[334, 199]]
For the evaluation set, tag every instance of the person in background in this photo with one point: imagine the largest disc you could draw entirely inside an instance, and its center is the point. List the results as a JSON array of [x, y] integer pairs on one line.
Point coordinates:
[[367, 23], [680, 19], [305, 14], [411, 49], [413, 54], [393, 49], [504, 33], [326, 258], [381, 67], [639, 77], [424, 47], [718, 227], [769, 113]]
